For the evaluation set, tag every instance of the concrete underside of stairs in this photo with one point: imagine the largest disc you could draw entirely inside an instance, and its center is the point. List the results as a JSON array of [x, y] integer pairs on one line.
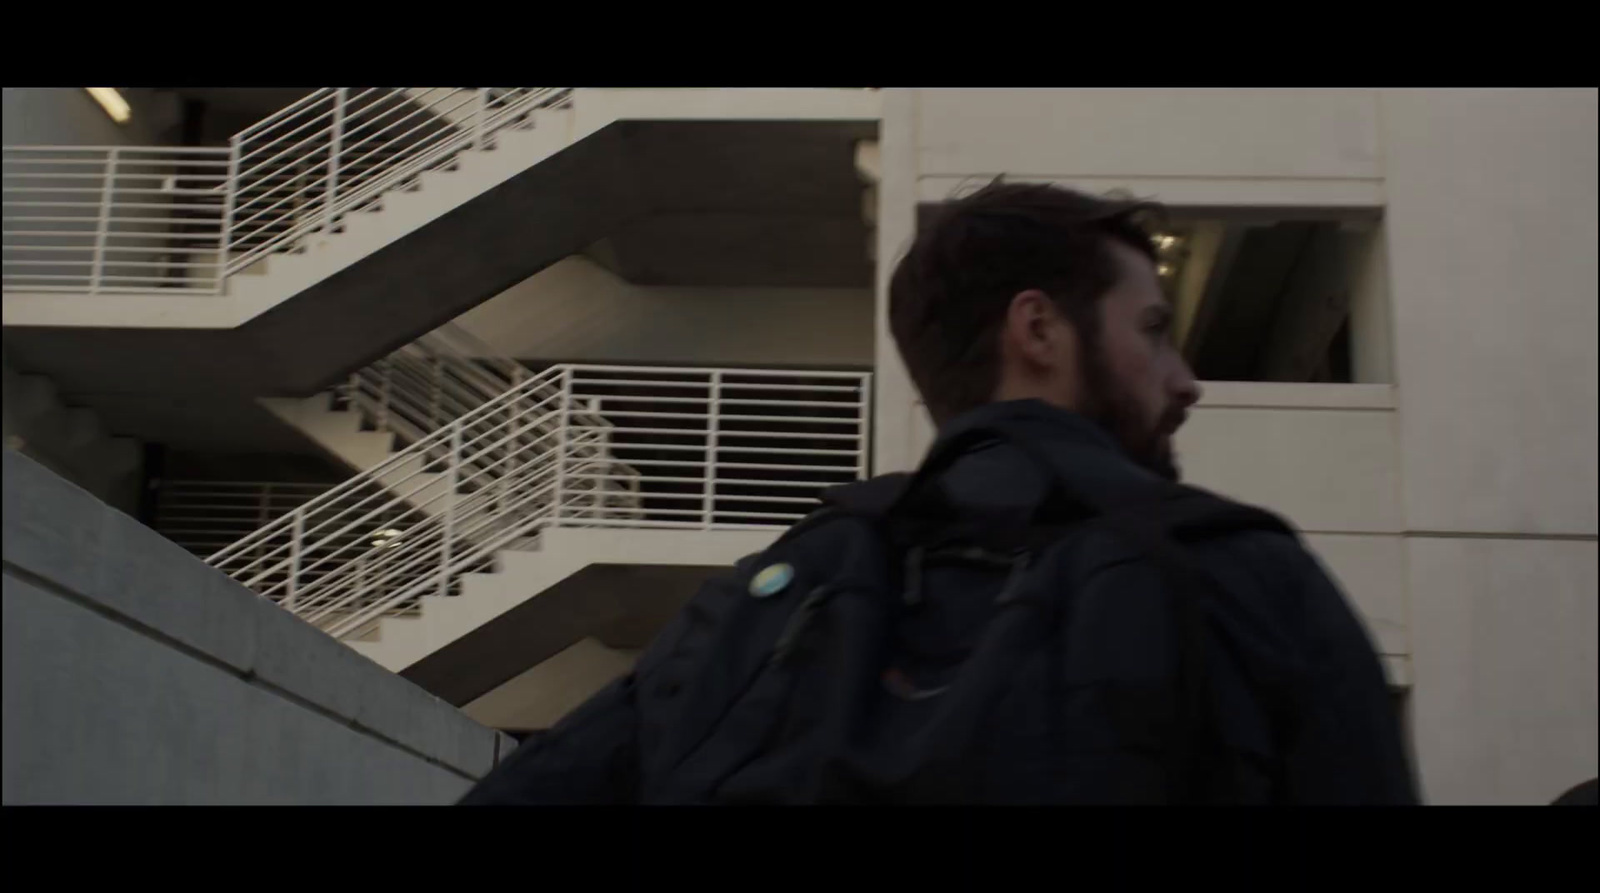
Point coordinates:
[[700, 202], [621, 606]]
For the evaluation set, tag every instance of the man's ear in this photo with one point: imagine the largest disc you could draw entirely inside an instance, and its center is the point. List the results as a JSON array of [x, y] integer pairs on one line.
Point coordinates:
[[1034, 328]]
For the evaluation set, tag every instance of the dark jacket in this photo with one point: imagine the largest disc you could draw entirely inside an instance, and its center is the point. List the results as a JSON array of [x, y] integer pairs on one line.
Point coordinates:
[[1300, 697]]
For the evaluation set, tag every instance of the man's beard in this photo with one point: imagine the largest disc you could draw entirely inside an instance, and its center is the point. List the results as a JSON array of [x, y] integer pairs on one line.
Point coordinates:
[[1115, 410]]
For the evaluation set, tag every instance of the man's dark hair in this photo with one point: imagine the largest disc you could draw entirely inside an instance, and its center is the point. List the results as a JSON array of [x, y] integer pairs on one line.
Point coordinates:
[[949, 294]]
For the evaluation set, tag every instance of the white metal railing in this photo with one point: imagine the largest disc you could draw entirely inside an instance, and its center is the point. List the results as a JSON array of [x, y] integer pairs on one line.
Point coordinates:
[[443, 376], [431, 382], [114, 218], [101, 219], [204, 516], [572, 446], [338, 149]]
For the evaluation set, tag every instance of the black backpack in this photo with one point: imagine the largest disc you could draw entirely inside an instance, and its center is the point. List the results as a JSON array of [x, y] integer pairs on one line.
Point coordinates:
[[782, 684]]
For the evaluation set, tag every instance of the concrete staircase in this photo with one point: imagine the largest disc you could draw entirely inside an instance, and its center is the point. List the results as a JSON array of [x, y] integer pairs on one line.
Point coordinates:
[[69, 439], [340, 432], [520, 571], [399, 212], [526, 573]]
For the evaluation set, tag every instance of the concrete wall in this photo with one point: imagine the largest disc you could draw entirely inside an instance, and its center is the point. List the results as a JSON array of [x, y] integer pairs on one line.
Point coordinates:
[[68, 116], [1462, 516], [1492, 207], [577, 310], [135, 674]]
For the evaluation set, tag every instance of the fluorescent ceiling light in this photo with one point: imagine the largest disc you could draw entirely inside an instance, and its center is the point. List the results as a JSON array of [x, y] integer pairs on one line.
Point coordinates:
[[112, 102]]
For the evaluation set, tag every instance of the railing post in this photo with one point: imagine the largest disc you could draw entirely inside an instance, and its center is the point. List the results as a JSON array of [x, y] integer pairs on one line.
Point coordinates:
[[230, 191], [864, 439], [295, 538], [712, 430], [103, 223], [478, 115], [514, 445], [436, 398], [564, 414], [383, 395], [451, 498], [335, 146]]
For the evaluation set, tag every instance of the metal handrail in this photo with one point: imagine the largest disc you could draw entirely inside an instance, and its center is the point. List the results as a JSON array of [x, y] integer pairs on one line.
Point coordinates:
[[75, 214], [431, 137], [285, 178], [546, 453]]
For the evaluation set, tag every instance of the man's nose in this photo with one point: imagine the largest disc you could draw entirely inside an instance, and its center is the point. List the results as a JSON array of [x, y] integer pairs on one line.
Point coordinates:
[[1187, 389]]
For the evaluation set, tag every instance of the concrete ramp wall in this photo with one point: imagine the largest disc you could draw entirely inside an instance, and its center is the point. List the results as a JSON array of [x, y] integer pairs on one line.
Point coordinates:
[[136, 674]]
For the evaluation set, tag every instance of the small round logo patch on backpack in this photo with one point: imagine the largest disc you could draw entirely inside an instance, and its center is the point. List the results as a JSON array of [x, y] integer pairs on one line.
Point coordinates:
[[772, 579]]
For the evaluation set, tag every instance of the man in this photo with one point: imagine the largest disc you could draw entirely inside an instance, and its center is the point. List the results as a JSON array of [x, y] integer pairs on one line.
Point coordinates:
[[1585, 794], [1040, 614]]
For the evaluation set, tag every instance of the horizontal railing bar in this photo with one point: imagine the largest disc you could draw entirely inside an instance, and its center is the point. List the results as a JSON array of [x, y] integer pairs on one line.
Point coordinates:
[[763, 466], [167, 220], [205, 287], [119, 249], [610, 399], [725, 386], [653, 524], [212, 237], [185, 265], [663, 461], [576, 382], [744, 482], [121, 150], [785, 451], [697, 496], [143, 206], [634, 477], [123, 278], [59, 175], [181, 484], [93, 219], [740, 497], [654, 511], [789, 435], [810, 404], [120, 190], [725, 370], [678, 447], [657, 415], [795, 419]]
